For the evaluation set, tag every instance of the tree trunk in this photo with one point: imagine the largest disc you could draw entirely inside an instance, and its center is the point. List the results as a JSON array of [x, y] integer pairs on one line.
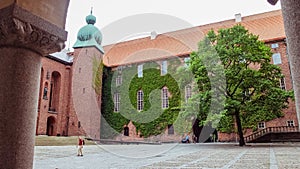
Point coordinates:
[[240, 130]]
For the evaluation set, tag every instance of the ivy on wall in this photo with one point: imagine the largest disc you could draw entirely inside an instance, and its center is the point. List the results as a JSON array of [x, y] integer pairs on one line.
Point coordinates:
[[152, 120], [111, 123], [97, 75]]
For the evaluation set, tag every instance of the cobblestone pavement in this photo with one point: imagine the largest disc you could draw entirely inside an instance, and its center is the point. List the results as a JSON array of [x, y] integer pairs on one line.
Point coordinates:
[[171, 156]]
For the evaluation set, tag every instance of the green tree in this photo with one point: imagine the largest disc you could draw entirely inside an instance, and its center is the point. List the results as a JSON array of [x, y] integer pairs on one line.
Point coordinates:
[[251, 89]]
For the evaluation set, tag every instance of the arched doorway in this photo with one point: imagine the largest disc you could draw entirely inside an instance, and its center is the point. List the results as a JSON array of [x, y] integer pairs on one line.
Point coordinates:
[[50, 126], [126, 131], [197, 129]]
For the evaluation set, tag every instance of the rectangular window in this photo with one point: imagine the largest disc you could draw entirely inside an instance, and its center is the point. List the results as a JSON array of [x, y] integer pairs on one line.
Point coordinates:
[[164, 67], [276, 58], [282, 83], [188, 92], [165, 99], [140, 70], [120, 69], [119, 80], [261, 125], [186, 61], [274, 45], [117, 102], [140, 100], [290, 123]]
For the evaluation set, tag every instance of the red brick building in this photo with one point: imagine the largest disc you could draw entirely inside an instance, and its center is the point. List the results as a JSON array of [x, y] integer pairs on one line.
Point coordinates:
[[64, 74]]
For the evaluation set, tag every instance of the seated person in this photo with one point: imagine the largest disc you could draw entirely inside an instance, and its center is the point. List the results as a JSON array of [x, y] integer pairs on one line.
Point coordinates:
[[186, 139]]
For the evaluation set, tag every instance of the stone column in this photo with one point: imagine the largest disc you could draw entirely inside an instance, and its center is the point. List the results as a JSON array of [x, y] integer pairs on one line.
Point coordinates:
[[24, 39], [291, 16]]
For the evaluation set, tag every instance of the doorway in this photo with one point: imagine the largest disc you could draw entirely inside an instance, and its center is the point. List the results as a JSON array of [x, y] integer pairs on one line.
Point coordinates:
[[126, 131], [50, 126]]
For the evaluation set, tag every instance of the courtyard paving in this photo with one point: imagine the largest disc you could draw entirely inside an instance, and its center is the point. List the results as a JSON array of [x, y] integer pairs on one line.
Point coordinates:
[[171, 156]]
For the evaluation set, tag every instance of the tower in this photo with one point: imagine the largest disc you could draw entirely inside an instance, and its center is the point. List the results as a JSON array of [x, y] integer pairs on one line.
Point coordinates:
[[86, 79]]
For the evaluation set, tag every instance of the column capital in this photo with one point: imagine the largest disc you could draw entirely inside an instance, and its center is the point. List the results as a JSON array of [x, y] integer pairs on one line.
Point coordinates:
[[20, 28]]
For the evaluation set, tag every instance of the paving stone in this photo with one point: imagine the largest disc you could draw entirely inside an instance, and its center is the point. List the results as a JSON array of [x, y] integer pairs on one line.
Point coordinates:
[[170, 156]]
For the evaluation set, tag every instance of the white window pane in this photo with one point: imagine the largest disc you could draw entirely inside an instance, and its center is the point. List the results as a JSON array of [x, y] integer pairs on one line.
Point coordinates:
[[164, 68], [276, 58], [274, 45], [140, 70], [186, 61]]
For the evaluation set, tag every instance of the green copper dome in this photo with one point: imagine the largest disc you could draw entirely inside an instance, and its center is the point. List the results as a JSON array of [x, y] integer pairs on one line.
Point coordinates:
[[90, 19], [89, 35]]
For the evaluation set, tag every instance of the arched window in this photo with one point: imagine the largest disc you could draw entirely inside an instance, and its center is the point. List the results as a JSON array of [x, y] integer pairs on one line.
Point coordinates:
[[41, 88], [54, 90], [45, 91], [140, 100], [188, 92], [164, 98]]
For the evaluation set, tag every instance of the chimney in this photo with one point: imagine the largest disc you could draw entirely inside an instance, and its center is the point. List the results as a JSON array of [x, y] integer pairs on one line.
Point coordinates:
[[153, 35], [238, 17]]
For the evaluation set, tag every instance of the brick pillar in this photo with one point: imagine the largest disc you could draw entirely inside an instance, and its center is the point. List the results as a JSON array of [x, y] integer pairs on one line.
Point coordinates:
[[291, 16], [24, 39]]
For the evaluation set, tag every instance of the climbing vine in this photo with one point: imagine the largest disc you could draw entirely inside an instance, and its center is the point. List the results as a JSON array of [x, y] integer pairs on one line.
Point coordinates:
[[97, 75], [152, 120]]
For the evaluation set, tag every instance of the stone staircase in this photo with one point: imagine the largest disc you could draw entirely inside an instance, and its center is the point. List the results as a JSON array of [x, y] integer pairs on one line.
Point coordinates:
[[275, 134]]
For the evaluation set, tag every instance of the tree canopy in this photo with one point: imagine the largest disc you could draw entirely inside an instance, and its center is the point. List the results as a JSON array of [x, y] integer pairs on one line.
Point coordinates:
[[237, 82]]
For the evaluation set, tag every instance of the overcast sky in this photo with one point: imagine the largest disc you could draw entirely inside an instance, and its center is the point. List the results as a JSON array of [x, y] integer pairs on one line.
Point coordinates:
[[110, 15]]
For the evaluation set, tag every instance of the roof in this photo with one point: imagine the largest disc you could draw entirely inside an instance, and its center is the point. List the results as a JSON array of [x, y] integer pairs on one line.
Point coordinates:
[[63, 56], [89, 35], [268, 26]]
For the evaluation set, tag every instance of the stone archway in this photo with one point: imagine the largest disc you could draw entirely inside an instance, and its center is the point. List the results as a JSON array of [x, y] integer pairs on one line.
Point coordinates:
[[50, 126]]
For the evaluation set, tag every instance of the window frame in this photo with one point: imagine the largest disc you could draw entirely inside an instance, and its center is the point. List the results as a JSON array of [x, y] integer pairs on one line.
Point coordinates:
[[276, 57], [164, 98], [261, 125], [187, 92], [119, 80], [282, 83], [140, 70], [290, 123], [117, 102], [186, 60], [164, 68], [140, 100]]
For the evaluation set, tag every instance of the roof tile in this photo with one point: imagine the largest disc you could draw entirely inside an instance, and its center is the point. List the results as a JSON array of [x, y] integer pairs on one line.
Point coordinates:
[[268, 26]]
